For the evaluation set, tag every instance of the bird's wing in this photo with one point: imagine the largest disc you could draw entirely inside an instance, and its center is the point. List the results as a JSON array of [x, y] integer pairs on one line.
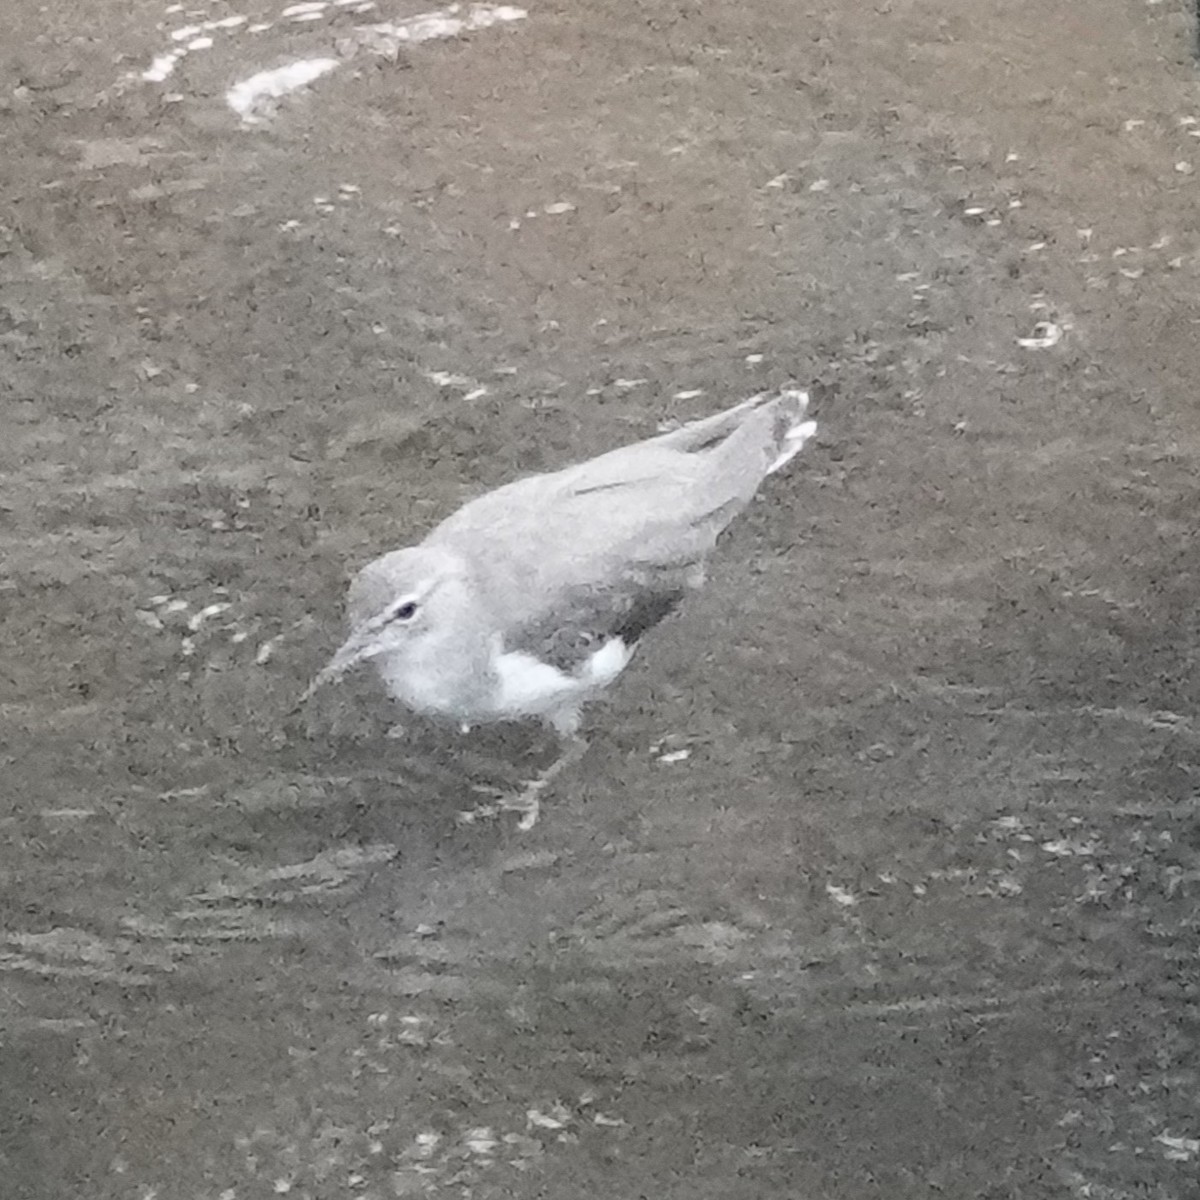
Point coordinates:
[[567, 634], [556, 543], [635, 521]]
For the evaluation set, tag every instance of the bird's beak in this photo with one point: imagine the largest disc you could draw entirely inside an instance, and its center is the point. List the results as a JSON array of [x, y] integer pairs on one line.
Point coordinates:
[[353, 650]]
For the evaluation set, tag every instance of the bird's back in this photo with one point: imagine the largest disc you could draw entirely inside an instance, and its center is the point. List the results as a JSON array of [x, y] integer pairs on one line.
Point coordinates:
[[649, 511]]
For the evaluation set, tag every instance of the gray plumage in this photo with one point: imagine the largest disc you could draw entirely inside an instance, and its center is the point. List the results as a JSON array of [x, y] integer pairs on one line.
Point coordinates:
[[529, 600]]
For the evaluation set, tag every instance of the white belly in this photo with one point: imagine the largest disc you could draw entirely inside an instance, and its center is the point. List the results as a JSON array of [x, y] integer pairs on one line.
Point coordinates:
[[517, 686], [528, 687]]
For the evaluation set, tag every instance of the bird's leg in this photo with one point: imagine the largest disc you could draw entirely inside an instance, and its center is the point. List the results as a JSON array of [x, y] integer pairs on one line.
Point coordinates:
[[528, 801]]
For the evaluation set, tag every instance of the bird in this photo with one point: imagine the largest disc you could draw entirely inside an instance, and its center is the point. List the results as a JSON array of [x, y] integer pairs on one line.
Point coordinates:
[[530, 600]]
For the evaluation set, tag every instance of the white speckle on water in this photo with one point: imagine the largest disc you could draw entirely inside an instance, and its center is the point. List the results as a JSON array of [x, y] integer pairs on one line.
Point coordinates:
[[297, 10], [285, 226], [225, 23], [184, 33], [1069, 847], [1045, 334], [819, 185], [1184, 168], [207, 613], [1132, 124], [161, 67], [755, 359], [974, 211], [840, 895], [349, 189], [476, 393], [481, 1140], [258, 27], [251, 98], [626, 384], [674, 756], [778, 182], [689, 395], [424, 1144], [200, 43], [174, 606], [445, 23], [558, 207], [449, 379], [1178, 1149], [543, 1120]]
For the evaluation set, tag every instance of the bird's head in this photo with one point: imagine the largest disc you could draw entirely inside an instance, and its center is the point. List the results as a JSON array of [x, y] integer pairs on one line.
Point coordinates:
[[396, 603]]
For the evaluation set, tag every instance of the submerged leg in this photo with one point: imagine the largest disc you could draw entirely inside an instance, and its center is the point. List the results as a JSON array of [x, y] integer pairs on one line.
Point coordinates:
[[527, 801]]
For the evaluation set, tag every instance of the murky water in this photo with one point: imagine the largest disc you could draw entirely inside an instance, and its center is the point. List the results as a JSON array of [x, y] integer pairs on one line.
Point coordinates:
[[913, 914]]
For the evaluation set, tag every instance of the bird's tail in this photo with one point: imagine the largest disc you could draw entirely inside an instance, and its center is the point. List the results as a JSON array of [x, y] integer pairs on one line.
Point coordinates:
[[755, 439], [768, 432], [784, 409], [792, 430]]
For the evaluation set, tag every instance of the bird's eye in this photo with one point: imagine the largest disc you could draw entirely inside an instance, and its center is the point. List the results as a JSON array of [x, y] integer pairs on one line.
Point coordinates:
[[406, 611]]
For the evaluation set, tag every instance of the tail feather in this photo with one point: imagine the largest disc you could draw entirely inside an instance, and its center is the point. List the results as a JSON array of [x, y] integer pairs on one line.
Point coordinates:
[[787, 407], [769, 431], [793, 443], [768, 436], [707, 431], [792, 405]]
